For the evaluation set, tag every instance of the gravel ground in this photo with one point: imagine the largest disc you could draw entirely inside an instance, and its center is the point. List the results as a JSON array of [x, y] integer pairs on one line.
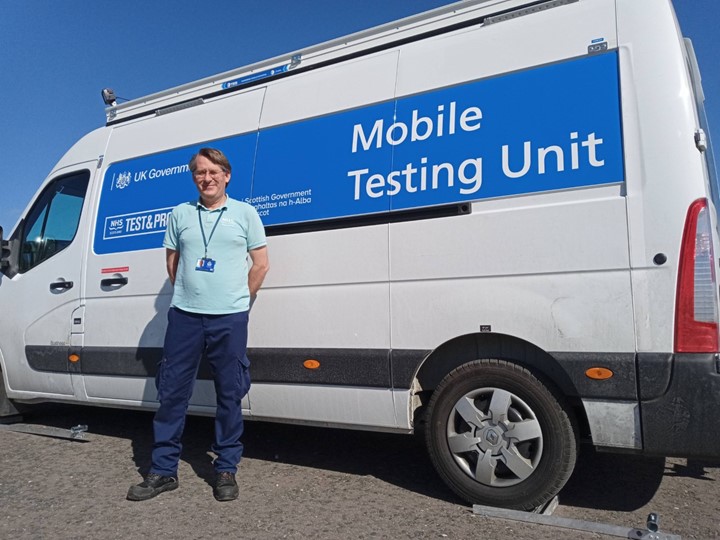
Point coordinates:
[[301, 482]]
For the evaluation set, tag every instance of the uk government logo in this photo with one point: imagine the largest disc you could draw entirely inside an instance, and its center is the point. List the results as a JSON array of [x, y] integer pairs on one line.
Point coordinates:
[[123, 180]]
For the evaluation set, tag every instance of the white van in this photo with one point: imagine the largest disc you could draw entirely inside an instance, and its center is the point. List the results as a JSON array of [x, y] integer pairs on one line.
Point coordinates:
[[496, 220]]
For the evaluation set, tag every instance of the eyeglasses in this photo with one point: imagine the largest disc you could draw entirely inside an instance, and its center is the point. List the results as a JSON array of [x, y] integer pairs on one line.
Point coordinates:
[[200, 174]]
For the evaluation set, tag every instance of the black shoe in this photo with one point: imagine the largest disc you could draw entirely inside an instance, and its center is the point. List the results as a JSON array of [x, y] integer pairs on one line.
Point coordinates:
[[226, 488], [153, 485]]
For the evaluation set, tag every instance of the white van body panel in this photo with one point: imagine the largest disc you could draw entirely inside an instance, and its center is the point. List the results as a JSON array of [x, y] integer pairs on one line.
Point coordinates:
[[325, 91], [362, 408], [507, 279], [656, 90], [477, 53]]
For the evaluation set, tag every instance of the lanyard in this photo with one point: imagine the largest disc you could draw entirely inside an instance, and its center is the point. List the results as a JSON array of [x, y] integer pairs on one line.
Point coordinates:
[[206, 242]]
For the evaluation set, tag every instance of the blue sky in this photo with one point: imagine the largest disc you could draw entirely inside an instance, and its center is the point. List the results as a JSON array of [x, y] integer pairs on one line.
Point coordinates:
[[56, 56]]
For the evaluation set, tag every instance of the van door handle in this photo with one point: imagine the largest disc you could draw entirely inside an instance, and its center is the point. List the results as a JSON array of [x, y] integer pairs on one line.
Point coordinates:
[[61, 285], [109, 282]]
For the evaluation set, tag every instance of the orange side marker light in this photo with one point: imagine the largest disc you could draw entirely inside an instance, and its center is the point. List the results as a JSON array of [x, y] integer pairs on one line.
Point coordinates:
[[311, 364], [599, 373]]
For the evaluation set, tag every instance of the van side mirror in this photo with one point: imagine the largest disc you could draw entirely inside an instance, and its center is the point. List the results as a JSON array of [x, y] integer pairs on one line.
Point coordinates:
[[8, 255]]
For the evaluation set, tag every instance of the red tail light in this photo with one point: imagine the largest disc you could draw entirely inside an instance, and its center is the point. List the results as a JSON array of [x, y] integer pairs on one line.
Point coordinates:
[[696, 309]]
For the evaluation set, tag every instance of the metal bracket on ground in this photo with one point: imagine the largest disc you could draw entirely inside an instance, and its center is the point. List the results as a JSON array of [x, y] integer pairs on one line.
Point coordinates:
[[543, 517], [75, 433]]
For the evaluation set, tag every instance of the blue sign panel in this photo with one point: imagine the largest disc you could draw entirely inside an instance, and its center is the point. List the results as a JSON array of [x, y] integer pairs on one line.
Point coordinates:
[[551, 128], [256, 76], [138, 194], [301, 172]]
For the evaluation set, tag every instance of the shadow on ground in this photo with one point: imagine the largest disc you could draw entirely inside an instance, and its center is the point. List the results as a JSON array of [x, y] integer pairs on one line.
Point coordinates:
[[617, 482], [601, 481], [397, 459]]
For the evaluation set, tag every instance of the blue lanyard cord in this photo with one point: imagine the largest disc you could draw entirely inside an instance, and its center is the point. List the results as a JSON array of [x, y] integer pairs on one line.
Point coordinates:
[[206, 242]]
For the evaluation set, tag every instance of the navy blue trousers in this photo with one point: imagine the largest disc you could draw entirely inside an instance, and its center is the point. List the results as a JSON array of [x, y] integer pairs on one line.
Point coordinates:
[[224, 340]]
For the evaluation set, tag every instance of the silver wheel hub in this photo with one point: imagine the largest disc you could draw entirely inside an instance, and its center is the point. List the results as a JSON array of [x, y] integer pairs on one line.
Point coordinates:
[[491, 436], [494, 437]]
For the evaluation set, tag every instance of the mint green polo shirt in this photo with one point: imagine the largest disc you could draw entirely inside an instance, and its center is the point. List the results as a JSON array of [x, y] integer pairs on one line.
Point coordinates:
[[239, 230]]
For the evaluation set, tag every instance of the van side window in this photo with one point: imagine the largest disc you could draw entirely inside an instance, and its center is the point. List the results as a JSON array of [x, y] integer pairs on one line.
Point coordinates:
[[52, 222]]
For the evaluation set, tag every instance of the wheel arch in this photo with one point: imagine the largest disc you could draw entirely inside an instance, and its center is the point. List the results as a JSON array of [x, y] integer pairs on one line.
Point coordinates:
[[469, 347], [466, 348]]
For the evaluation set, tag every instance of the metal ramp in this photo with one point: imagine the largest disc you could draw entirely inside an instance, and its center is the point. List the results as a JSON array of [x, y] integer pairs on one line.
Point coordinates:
[[75, 433], [543, 516]]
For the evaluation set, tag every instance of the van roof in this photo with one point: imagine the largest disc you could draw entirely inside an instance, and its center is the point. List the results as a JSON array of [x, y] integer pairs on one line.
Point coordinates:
[[437, 21]]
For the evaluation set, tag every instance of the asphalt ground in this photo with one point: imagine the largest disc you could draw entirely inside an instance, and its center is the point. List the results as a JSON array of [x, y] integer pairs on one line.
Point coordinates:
[[305, 482]]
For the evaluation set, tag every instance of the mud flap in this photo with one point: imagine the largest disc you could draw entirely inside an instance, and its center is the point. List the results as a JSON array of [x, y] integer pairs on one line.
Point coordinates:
[[9, 413]]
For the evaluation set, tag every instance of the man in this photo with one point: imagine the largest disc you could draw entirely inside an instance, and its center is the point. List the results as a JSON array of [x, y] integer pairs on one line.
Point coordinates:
[[207, 244]]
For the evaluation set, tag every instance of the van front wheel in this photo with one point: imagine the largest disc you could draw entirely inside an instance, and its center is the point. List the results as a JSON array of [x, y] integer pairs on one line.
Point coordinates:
[[497, 436]]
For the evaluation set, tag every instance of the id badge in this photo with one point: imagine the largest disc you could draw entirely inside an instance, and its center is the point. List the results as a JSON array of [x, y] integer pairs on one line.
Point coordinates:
[[205, 265]]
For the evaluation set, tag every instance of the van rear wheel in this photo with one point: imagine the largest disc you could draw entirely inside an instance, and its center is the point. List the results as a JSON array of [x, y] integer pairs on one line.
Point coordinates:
[[497, 436]]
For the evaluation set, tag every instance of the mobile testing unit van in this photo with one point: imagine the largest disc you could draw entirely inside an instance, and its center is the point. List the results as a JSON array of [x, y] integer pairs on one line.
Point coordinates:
[[496, 219]]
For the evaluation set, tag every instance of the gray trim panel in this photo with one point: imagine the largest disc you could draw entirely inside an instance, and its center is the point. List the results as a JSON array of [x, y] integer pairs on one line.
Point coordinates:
[[621, 386], [378, 368]]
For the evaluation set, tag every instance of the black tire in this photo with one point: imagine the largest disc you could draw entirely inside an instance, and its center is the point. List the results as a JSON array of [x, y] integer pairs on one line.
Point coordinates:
[[498, 437]]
